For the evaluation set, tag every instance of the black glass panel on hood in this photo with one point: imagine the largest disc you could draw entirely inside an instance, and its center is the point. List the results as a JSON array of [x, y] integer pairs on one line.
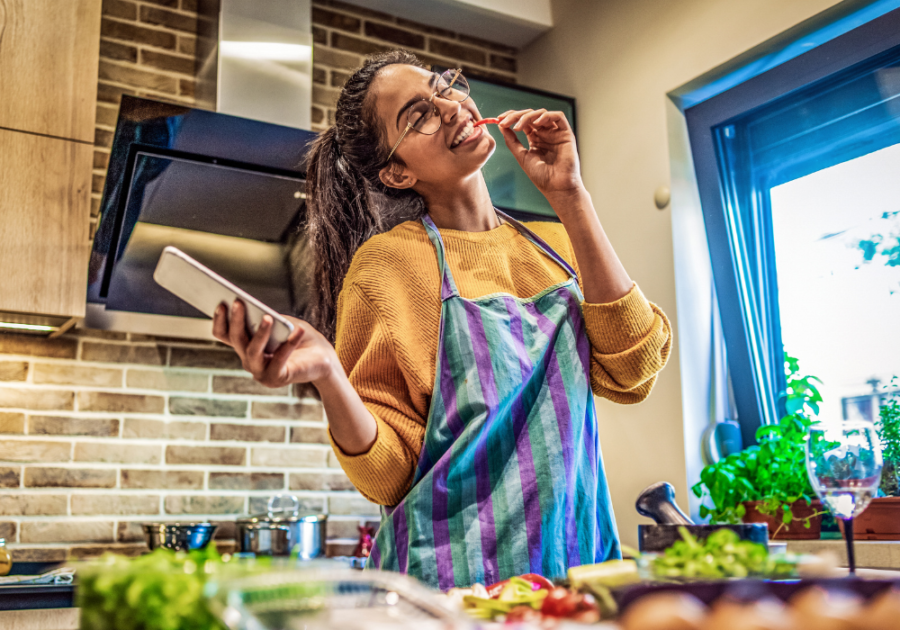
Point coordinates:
[[239, 222], [226, 190]]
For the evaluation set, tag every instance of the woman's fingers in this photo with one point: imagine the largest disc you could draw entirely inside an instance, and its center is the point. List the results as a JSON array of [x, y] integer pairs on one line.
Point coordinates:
[[527, 118], [510, 118], [530, 120], [220, 323], [237, 327], [256, 349], [551, 120], [514, 144], [274, 375]]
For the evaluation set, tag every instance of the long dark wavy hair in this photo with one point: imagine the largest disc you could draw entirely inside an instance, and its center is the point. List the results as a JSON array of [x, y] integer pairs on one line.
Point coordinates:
[[346, 201]]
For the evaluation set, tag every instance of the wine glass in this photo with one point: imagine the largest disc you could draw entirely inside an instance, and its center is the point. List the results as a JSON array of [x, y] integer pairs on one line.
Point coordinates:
[[843, 461]]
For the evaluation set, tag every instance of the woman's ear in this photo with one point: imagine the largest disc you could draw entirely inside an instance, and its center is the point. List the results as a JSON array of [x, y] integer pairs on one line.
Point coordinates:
[[395, 176]]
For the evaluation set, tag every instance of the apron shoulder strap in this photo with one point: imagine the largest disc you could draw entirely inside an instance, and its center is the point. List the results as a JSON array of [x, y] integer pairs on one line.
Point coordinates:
[[539, 243], [448, 285]]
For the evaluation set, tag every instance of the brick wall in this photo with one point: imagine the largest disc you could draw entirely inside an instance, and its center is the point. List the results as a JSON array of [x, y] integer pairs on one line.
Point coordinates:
[[101, 430], [343, 34]]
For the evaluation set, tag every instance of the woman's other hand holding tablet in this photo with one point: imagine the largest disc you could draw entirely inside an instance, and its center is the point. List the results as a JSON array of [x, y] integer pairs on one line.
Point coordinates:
[[306, 356]]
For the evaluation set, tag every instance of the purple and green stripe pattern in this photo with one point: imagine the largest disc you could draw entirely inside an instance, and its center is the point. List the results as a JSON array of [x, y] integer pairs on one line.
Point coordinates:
[[510, 478]]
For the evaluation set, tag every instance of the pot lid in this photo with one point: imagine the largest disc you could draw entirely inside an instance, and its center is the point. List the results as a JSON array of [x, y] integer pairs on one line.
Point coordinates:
[[278, 513]]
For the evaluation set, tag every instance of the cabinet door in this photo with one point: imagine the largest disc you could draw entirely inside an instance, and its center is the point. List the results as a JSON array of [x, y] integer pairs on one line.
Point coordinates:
[[44, 223], [49, 51]]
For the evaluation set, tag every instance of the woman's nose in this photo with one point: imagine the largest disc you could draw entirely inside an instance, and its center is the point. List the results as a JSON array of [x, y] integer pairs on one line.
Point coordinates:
[[448, 109]]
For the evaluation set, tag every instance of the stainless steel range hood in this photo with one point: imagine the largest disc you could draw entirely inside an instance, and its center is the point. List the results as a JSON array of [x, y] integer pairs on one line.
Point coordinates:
[[257, 60], [256, 63]]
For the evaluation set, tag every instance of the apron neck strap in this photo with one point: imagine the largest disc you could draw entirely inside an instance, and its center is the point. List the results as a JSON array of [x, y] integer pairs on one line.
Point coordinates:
[[448, 285], [538, 242]]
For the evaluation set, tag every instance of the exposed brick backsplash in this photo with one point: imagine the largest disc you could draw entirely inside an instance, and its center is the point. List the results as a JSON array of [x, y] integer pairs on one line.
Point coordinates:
[[104, 431], [101, 431]]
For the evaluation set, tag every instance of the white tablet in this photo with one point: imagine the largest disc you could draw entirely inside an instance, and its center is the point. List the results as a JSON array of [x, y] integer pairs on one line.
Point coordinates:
[[204, 289]]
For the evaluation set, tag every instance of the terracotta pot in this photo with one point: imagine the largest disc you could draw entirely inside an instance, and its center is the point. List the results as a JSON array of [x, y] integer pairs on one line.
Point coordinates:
[[879, 521], [794, 531]]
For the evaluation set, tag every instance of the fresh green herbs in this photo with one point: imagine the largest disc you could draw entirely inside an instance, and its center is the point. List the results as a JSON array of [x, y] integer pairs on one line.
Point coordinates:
[[888, 427], [162, 590], [774, 469], [721, 555]]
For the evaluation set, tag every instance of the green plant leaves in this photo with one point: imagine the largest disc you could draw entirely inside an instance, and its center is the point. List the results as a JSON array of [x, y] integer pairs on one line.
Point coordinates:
[[774, 469]]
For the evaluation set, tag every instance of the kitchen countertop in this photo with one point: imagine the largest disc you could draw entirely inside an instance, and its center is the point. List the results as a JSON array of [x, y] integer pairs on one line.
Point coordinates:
[[870, 554]]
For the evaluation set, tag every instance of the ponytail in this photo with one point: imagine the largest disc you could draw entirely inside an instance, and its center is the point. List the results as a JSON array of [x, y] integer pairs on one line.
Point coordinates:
[[346, 201]]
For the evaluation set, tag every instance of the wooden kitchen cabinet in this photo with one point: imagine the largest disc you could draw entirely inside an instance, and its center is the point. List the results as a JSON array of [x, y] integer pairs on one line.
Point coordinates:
[[49, 52], [45, 210]]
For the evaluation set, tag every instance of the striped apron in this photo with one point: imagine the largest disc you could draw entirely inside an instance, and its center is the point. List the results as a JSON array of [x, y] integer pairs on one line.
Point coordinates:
[[510, 478]]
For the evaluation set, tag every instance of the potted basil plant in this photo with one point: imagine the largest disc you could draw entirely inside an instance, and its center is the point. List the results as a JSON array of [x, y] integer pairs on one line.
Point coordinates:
[[881, 520], [767, 482]]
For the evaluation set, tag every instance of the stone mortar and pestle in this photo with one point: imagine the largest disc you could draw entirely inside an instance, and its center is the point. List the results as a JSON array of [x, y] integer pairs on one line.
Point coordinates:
[[658, 502]]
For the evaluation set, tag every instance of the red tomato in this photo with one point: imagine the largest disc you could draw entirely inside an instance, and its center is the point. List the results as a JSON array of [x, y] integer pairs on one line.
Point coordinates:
[[565, 604], [559, 603]]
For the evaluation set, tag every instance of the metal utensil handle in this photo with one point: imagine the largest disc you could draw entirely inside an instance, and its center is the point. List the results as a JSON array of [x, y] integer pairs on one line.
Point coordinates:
[[277, 501]]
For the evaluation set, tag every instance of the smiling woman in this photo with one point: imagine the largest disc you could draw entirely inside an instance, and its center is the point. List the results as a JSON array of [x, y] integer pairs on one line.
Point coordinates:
[[468, 346]]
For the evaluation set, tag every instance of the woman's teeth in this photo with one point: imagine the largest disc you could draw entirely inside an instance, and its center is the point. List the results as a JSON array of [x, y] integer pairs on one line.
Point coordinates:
[[465, 133]]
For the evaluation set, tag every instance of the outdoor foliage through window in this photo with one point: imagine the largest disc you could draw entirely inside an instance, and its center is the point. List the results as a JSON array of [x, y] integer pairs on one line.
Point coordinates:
[[837, 250]]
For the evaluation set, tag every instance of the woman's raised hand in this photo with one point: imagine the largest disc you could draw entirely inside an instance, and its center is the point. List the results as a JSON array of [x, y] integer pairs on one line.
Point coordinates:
[[551, 158], [306, 356]]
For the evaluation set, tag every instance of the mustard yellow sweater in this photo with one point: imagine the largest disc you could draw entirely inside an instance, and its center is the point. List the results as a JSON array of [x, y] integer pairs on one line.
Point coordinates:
[[388, 318]]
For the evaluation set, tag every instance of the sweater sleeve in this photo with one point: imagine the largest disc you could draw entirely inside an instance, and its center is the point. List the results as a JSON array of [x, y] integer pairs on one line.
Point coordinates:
[[630, 340], [384, 473], [630, 343]]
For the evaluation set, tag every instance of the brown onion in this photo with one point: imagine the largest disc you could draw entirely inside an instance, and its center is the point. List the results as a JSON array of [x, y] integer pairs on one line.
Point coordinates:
[[818, 609], [765, 614], [882, 612], [664, 611]]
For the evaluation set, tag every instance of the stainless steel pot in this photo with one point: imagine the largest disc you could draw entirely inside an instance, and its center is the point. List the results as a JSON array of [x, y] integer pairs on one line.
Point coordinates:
[[178, 536], [265, 539], [282, 529]]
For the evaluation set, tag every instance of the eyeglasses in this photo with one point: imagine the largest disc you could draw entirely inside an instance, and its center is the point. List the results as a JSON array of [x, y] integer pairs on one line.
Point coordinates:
[[423, 116]]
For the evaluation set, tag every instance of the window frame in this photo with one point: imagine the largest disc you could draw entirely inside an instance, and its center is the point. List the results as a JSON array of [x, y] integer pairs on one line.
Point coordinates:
[[737, 217]]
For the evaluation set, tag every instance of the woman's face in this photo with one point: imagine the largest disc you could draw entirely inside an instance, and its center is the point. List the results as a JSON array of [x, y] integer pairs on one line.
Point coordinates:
[[430, 159]]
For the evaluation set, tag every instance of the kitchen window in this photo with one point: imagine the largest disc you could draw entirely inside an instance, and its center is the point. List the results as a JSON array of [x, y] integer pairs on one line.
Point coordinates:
[[798, 171]]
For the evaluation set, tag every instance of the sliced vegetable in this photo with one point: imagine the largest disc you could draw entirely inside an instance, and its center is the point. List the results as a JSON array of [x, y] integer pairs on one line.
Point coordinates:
[[486, 121], [513, 592], [611, 574], [538, 582]]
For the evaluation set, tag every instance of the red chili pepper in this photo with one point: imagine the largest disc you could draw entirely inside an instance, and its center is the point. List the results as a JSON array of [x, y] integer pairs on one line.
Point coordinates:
[[486, 121]]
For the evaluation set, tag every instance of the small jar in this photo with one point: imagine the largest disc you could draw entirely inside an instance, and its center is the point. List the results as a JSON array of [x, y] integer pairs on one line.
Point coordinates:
[[5, 558]]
